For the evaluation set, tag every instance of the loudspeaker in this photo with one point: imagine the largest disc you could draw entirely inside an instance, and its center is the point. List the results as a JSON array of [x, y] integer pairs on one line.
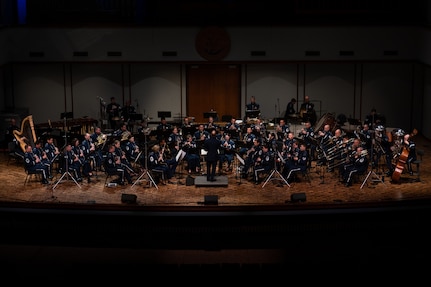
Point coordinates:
[[128, 198], [190, 180], [298, 197], [211, 199]]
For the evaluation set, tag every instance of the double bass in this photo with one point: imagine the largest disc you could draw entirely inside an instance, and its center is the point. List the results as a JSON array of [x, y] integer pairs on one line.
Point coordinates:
[[402, 160]]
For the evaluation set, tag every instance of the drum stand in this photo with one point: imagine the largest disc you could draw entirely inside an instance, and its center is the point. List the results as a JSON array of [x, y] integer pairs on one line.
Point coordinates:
[[276, 172], [145, 172]]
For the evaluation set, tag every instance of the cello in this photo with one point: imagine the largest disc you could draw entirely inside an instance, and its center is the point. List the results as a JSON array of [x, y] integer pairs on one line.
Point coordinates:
[[402, 159]]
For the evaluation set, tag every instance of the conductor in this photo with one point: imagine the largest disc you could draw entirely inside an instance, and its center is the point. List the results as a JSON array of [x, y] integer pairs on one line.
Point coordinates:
[[212, 145]]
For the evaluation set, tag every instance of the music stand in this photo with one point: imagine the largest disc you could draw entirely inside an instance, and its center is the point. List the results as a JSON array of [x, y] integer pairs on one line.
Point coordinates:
[[371, 172], [252, 113], [145, 171], [66, 173], [239, 167], [276, 172]]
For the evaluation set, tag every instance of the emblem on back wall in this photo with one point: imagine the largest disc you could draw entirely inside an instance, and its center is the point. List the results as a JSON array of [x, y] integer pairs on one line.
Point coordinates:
[[213, 43]]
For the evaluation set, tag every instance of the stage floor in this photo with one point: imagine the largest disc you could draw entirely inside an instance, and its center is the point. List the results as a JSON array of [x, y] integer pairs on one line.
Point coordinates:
[[323, 189]]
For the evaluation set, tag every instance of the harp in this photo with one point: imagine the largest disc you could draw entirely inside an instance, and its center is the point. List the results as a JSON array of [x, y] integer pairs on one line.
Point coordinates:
[[27, 135]]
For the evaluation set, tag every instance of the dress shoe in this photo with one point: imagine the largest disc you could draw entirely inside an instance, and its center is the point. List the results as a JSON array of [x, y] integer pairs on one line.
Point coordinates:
[[45, 181], [348, 184]]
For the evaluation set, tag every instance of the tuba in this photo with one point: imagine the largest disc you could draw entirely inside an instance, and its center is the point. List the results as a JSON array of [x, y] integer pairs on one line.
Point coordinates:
[[27, 135]]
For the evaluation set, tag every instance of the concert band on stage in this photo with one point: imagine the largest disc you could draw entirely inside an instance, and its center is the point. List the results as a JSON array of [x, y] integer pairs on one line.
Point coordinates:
[[257, 146]]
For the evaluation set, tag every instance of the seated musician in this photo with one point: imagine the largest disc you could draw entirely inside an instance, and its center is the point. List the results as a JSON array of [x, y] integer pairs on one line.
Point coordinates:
[[247, 140], [227, 152], [85, 165], [298, 162], [201, 134], [358, 166], [251, 155], [156, 162], [263, 163], [51, 151], [113, 166], [124, 162], [72, 162], [133, 154], [39, 152], [282, 129], [259, 128], [290, 155], [211, 124], [33, 163], [89, 151], [192, 154], [122, 133], [98, 139], [174, 141], [233, 128], [307, 134]]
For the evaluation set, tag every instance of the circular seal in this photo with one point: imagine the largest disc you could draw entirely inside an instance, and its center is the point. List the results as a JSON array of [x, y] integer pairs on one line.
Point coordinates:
[[213, 43]]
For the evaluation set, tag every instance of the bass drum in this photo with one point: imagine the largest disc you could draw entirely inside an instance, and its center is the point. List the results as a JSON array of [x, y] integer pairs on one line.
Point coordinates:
[[326, 119]]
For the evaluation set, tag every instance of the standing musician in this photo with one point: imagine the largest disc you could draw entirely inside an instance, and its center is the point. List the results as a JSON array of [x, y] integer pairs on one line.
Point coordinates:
[[113, 165], [411, 147], [39, 152], [228, 152], [253, 105], [264, 163], [192, 156], [358, 166], [32, 163]]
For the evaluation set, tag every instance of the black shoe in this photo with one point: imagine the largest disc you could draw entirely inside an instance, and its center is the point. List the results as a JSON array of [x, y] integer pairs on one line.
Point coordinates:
[[348, 184], [45, 181], [122, 183], [79, 179]]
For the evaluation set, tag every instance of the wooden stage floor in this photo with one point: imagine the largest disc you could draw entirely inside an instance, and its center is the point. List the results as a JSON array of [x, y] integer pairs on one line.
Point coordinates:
[[324, 190]]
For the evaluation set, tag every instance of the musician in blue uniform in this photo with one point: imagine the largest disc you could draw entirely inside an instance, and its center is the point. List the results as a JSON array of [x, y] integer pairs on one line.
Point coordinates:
[[33, 163]]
